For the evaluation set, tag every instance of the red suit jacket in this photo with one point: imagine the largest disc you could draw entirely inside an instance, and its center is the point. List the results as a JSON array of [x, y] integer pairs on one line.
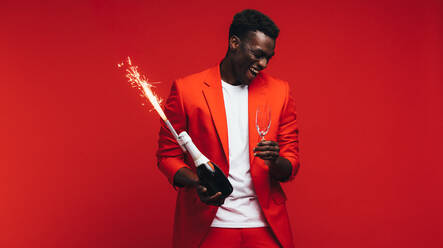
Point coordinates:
[[196, 105]]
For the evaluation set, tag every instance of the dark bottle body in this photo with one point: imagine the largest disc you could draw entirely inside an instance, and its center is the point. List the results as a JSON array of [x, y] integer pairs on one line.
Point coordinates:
[[215, 181], [208, 173]]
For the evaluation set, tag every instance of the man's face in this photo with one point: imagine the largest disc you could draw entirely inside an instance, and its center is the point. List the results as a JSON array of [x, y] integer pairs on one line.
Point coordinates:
[[251, 54]]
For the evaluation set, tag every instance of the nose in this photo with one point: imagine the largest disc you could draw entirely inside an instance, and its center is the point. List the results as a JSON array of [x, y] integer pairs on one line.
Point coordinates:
[[263, 62]]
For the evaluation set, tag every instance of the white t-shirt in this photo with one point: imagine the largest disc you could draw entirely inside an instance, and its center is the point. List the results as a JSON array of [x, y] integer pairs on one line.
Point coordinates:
[[241, 209]]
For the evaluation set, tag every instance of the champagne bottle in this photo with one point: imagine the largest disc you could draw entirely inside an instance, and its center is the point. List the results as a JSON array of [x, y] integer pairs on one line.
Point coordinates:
[[209, 173]]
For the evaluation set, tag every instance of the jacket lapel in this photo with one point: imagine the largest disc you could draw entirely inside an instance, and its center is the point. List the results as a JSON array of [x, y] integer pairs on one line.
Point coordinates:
[[212, 91]]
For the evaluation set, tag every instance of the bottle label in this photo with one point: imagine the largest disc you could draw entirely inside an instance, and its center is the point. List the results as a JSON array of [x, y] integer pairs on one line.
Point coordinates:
[[196, 155]]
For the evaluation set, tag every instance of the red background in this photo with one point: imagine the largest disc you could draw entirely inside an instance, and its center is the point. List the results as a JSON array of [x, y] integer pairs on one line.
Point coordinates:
[[77, 149]]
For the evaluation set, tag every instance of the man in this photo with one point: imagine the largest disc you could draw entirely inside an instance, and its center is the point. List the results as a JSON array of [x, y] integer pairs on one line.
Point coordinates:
[[217, 107]]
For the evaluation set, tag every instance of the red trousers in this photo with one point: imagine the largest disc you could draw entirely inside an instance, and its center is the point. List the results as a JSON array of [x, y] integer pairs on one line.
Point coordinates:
[[261, 237]]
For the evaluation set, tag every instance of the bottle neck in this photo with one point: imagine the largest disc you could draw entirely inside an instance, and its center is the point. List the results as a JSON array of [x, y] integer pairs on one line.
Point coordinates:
[[196, 155]]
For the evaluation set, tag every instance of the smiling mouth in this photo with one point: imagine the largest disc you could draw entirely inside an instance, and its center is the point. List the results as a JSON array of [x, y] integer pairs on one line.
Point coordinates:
[[253, 71]]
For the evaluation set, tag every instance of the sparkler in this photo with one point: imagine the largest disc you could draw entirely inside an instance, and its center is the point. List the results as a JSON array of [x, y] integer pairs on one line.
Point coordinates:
[[141, 83], [209, 173]]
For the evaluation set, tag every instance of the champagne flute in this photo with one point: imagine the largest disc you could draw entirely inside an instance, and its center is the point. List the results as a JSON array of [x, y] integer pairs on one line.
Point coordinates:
[[263, 120]]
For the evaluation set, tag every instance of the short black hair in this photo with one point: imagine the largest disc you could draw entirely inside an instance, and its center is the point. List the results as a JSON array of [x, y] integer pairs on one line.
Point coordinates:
[[253, 20]]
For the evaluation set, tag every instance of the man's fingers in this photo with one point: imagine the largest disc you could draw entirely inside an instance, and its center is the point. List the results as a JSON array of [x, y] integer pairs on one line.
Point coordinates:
[[215, 196], [215, 199], [202, 189], [267, 143], [202, 192], [266, 154], [267, 148]]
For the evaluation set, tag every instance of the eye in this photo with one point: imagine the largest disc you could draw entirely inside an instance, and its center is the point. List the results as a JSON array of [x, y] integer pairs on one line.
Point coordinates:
[[257, 54]]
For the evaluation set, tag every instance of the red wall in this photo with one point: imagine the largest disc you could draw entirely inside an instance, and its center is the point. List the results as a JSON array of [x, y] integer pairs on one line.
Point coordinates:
[[77, 165]]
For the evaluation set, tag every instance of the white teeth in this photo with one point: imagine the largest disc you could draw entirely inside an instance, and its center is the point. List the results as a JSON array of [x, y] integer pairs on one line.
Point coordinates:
[[254, 70]]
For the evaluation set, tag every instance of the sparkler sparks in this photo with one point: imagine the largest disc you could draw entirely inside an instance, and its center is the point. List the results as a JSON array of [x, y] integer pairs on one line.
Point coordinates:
[[141, 83]]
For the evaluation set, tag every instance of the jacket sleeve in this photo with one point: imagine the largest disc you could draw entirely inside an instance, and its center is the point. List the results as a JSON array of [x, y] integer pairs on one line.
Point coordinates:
[[170, 157], [288, 133]]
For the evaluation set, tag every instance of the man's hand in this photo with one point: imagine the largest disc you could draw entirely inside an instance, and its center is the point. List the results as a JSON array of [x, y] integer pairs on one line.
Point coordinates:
[[267, 150], [216, 199], [279, 167], [185, 177]]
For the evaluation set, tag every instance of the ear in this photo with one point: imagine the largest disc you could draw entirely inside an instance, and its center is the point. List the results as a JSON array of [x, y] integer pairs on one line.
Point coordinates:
[[234, 42]]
